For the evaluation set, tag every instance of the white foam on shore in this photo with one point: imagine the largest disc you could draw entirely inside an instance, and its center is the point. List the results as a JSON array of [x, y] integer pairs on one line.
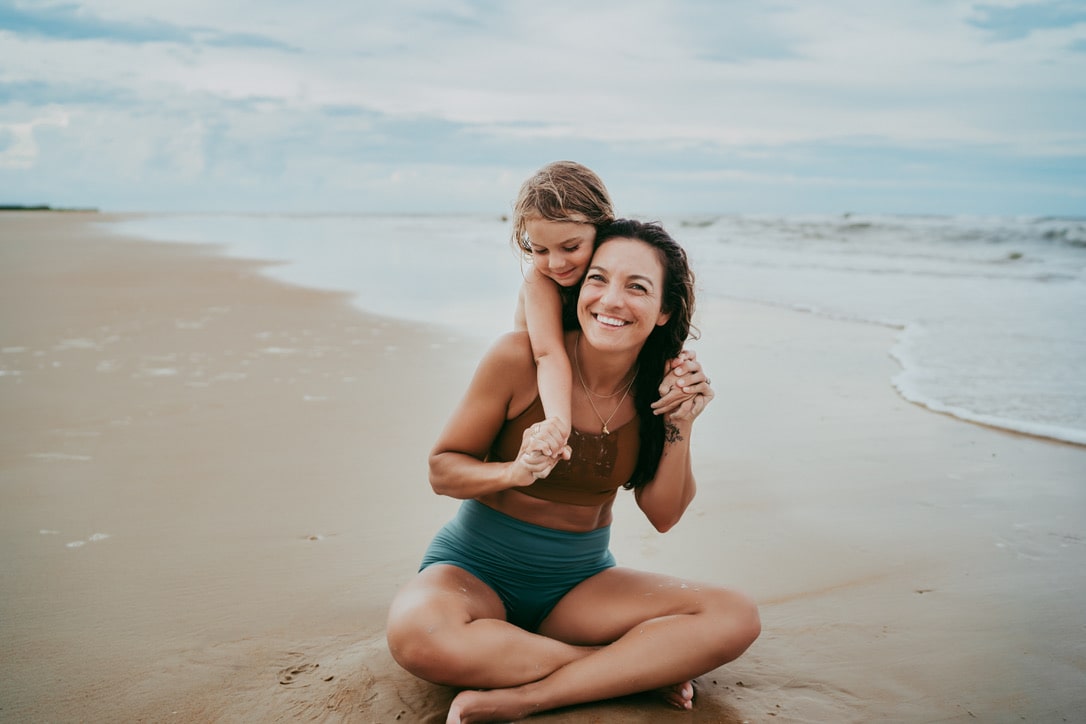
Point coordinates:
[[1037, 429], [905, 382], [909, 383], [93, 538]]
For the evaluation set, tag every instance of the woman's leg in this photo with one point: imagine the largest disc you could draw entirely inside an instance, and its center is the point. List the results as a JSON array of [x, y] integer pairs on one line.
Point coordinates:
[[448, 627], [654, 631]]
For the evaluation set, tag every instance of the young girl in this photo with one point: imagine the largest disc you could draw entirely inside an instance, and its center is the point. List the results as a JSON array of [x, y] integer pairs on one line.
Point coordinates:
[[555, 219]]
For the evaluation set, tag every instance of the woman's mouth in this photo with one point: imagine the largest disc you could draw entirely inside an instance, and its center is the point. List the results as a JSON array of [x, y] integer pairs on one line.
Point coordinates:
[[610, 321]]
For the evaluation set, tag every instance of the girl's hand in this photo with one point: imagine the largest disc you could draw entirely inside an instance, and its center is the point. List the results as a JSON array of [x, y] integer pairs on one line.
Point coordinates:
[[548, 437], [683, 381], [541, 447]]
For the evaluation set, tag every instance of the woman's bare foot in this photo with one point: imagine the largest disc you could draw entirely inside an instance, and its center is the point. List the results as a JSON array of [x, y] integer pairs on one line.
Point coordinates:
[[680, 696], [472, 706]]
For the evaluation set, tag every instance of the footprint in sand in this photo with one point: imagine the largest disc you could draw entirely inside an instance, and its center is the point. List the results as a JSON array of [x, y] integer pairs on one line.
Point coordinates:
[[297, 674]]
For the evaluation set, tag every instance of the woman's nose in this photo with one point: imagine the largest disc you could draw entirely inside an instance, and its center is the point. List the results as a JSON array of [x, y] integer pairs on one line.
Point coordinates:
[[610, 296]]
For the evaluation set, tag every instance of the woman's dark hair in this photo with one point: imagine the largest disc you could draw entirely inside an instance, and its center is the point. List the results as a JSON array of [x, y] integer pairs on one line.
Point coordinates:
[[664, 343]]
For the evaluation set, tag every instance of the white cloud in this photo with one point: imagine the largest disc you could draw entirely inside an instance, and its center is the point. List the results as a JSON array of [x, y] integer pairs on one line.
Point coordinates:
[[18, 145], [245, 88]]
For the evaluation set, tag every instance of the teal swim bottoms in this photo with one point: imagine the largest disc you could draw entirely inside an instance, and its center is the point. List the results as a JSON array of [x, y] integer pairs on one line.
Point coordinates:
[[530, 567]]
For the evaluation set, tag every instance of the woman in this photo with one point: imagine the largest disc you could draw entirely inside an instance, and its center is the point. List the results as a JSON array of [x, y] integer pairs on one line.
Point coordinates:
[[518, 595]]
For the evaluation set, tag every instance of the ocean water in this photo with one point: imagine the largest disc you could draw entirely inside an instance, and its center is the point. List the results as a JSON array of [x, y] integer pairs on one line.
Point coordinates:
[[991, 312]]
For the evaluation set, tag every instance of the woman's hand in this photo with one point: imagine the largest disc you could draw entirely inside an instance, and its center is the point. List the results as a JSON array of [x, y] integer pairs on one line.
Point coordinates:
[[689, 409], [683, 381], [541, 447]]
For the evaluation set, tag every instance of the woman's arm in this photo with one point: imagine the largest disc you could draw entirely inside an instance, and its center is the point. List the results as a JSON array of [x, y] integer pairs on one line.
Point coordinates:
[[665, 498], [457, 466], [543, 315]]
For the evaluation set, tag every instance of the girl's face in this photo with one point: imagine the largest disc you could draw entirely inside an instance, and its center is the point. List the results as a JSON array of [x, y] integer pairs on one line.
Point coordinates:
[[560, 249], [621, 299]]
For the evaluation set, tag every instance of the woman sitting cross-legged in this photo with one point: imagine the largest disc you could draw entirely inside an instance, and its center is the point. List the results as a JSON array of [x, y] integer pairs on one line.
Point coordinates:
[[519, 600]]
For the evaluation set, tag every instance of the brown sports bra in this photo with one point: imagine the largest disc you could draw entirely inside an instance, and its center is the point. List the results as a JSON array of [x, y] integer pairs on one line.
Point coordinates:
[[600, 465]]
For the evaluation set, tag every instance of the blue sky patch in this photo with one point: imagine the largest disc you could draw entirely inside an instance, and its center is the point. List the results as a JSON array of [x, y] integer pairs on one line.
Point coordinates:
[[1019, 21]]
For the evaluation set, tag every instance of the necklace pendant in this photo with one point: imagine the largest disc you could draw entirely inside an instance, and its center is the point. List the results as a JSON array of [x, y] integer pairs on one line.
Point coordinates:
[[605, 430]]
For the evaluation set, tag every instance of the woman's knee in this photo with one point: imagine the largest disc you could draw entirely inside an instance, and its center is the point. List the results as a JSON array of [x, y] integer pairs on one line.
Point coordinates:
[[738, 620], [424, 642], [748, 619], [409, 632], [417, 651]]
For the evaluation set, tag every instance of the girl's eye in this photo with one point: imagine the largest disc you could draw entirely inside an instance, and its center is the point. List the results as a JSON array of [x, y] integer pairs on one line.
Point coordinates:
[[571, 249], [539, 251]]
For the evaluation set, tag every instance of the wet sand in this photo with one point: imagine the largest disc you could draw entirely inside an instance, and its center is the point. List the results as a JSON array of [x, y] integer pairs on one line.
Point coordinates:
[[211, 485]]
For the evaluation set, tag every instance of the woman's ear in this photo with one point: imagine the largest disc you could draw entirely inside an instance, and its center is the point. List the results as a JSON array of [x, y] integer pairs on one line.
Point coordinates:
[[663, 319]]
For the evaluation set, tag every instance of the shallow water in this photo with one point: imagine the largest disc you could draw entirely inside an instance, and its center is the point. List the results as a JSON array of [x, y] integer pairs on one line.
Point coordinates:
[[991, 310]]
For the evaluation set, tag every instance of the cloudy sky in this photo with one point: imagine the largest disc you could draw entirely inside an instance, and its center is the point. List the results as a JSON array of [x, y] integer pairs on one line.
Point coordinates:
[[789, 106]]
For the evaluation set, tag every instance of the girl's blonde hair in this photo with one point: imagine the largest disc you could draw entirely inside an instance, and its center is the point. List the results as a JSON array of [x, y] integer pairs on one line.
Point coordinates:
[[560, 191]]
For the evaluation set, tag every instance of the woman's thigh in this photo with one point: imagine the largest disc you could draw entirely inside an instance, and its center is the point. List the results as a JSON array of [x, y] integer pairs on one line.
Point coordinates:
[[443, 594], [606, 606]]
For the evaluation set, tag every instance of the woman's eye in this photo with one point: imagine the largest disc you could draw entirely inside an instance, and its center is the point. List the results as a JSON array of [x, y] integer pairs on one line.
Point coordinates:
[[594, 277], [638, 288]]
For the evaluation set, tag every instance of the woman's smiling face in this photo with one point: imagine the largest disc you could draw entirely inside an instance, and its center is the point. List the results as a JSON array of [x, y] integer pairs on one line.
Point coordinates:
[[621, 299]]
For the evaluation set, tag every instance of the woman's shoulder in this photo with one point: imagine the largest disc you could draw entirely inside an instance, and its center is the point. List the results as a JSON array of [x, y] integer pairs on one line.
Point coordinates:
[[508, 370], [511, 351], [517, 345]]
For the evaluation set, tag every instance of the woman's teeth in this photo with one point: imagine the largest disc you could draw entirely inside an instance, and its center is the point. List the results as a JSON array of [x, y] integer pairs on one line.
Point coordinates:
[[612, 321]]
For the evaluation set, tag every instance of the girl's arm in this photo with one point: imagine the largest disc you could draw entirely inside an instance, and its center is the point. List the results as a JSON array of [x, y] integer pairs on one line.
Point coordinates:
[[457, 466], [543, 314], [665, 498]]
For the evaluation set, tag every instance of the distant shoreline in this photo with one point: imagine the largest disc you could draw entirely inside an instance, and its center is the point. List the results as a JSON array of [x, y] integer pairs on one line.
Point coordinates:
[[47, 207]]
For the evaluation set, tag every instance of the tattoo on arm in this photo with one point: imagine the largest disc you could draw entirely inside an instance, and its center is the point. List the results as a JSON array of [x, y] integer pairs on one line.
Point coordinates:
[[671, 433]]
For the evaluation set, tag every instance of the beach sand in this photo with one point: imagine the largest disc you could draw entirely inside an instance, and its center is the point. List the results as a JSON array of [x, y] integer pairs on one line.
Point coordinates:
[[212, 484]]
